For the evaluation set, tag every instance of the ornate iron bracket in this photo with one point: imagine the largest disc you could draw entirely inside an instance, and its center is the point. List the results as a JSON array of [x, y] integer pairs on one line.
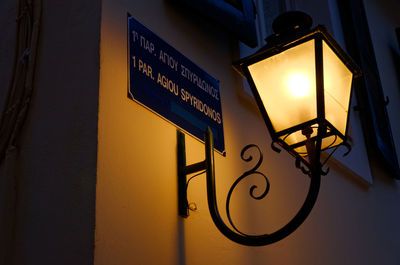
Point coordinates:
[[233, 233]]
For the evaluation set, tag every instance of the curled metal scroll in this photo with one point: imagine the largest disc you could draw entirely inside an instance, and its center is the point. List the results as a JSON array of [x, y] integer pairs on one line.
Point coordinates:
[[243, 176], [274, 147], [298, 164], [264, 239], [231, 231]]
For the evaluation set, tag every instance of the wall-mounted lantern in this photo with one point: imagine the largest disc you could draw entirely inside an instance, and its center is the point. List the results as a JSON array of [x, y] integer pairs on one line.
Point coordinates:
[[301, 80]]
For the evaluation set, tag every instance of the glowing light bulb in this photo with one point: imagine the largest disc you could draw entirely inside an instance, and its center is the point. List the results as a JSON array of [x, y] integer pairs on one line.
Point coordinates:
[[298, 85]]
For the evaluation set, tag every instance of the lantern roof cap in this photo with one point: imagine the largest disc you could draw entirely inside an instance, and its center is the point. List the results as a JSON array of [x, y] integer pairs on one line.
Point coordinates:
[[291, 21], [288, 25]]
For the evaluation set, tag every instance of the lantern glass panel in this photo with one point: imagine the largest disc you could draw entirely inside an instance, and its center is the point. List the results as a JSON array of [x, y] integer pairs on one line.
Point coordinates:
[[287, 87], [337, 88]]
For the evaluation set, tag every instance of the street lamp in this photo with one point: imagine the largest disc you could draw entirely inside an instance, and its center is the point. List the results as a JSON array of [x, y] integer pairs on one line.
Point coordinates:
[[301, 80]]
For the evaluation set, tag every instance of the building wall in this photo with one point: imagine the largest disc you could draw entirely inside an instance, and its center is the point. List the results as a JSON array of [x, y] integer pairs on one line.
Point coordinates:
[[55, 160], [68, 141], [136, 196], [383, 19]]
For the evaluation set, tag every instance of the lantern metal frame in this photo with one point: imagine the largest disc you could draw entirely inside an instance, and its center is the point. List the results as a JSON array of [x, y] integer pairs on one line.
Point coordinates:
[[280, 44], [292, 35]]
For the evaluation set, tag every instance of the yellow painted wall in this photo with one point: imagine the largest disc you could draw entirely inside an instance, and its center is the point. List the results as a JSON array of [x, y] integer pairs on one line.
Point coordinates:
[[136, 197]]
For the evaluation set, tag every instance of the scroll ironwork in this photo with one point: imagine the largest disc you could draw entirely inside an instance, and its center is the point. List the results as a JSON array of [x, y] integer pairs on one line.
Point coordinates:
[[232, 232]]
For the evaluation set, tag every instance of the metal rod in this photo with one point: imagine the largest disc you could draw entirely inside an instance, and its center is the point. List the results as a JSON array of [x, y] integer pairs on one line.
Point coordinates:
[[193, 168], [319, 74], [183, 171], [249, 240], [259, 240], [183, 205]]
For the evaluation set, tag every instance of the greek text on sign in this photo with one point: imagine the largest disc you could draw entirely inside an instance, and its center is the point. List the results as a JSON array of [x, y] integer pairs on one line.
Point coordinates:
[[169, 84]]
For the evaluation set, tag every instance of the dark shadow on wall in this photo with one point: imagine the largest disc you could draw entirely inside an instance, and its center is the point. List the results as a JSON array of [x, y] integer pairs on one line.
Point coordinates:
[[396, 63], [237, 17], [369, 93], [57, 158], [181, 246]]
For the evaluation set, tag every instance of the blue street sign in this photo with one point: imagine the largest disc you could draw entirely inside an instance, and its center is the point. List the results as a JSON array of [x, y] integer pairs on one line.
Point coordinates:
[[169, 84]]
